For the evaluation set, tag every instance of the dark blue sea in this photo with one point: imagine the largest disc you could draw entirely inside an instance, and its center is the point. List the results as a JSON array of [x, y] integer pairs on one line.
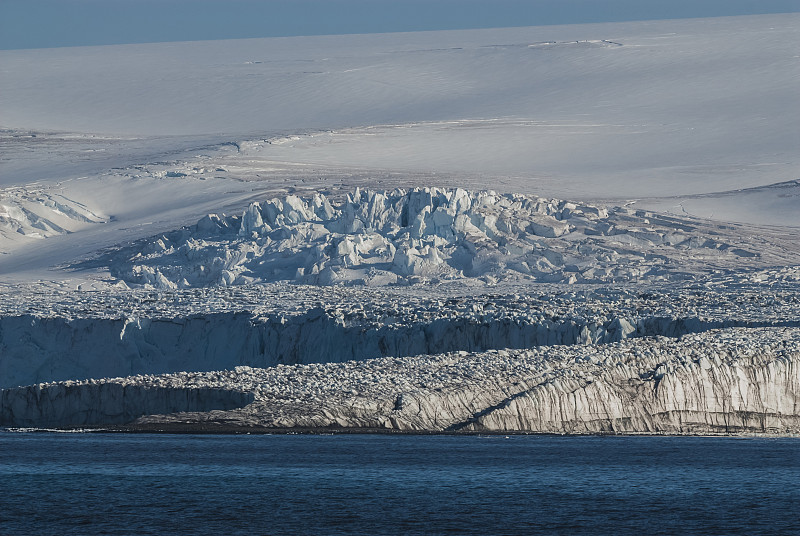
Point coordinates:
[[81, 483]]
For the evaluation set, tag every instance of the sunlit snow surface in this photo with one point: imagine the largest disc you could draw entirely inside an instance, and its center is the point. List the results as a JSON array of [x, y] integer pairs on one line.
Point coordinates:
[[693, 117]]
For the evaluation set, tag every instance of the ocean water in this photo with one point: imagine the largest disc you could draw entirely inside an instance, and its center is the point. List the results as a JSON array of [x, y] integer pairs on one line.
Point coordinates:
[[80, 483]]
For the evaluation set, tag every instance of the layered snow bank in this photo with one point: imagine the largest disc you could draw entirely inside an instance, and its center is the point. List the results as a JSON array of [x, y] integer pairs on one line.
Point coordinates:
[[431, 234], [724, 381]]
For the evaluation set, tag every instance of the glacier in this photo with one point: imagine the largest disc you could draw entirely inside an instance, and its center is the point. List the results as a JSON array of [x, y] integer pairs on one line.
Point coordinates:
[[570, 229]]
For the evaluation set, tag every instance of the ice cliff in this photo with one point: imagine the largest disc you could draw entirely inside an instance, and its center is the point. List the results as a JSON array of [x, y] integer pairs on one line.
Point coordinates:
[[106, 403], [722, 381], [34, 349]]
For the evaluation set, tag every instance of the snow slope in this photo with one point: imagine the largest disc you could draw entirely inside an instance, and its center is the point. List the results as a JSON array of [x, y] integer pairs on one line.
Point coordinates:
[[622, 112]]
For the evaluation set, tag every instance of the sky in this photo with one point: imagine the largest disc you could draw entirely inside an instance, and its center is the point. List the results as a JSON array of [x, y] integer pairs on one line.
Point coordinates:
[[60, 23]]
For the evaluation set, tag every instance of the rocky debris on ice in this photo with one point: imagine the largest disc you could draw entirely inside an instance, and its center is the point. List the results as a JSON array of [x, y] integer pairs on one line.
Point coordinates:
[[722, 381], [402, 236]]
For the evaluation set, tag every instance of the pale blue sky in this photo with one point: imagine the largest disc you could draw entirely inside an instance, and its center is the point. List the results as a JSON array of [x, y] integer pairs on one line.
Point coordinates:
[[56, 23]]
